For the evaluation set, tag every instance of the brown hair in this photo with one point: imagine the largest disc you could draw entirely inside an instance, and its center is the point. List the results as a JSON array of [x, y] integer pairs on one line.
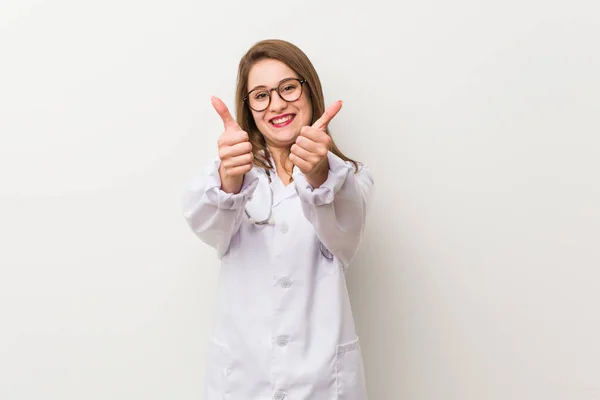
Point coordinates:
[[294, 58]]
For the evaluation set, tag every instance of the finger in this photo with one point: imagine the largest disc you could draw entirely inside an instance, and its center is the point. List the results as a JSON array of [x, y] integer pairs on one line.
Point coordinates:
[[307, 144], [224, 113], [231, 138], [316, 135], [300, 163], [239, 149], [305, 155], [238, 161], [237, 171], [328, 115]]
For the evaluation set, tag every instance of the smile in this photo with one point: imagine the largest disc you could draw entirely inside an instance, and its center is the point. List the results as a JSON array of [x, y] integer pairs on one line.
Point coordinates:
[[283, 120]]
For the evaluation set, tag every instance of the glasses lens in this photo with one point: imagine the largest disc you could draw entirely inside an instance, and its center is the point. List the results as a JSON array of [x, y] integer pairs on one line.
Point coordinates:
[[290, 90], [258, 99]]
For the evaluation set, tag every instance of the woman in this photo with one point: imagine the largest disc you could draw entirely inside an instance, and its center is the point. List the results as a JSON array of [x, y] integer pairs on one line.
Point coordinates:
[[285, 211]]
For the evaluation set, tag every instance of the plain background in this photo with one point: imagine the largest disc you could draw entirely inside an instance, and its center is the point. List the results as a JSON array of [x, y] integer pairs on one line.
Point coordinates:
[[479, 274]]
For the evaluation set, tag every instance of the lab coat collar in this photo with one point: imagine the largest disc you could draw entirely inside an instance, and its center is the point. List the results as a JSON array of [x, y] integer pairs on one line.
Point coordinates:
[[268, 194], [280, 191]]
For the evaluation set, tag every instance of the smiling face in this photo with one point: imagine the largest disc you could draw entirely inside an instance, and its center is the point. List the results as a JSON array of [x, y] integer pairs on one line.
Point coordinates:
[[281, 121]]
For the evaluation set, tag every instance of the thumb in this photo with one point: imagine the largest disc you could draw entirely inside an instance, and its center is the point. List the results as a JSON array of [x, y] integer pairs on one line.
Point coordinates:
[[224, 113], [328, 115]]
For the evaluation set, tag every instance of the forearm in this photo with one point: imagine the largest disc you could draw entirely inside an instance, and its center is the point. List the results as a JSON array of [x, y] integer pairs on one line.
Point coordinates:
[[213, 214], [337, 209]]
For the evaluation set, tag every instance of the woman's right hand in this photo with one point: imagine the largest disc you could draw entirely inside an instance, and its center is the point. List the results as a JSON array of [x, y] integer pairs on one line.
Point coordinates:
[[235, 151]]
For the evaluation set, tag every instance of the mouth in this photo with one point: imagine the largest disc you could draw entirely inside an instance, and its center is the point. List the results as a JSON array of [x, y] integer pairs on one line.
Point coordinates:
[[282, 120]]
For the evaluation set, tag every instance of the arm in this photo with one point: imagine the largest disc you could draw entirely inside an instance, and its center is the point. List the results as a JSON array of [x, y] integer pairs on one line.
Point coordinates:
[[338, 208], [212, 214]]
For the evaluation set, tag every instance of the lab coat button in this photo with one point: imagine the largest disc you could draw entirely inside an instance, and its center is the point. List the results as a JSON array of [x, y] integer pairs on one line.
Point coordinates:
[[284, 228], [279, 395], [282, 341], [285, 283]]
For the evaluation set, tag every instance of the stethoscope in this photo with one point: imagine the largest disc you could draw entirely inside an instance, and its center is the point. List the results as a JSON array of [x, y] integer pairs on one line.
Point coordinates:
[[269, 219], [259, 197]]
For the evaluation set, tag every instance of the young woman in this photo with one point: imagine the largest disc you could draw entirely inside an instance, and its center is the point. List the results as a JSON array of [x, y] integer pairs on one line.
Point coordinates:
[[285, 211]]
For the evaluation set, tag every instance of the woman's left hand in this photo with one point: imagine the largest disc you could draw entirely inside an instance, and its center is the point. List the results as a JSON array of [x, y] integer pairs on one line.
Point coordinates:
[[309, 153]]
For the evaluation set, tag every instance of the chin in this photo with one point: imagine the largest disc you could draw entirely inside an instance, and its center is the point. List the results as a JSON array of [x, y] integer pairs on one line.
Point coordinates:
[[285, 137]]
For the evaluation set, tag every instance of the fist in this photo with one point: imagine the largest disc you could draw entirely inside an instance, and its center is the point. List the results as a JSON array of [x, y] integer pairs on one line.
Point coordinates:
[[235, 149], [309, 153]]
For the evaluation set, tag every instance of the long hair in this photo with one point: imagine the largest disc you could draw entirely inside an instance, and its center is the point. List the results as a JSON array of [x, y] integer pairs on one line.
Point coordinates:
[[294, 58]]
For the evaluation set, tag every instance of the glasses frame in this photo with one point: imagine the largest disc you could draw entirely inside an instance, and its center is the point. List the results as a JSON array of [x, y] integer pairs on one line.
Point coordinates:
[[301, 80]]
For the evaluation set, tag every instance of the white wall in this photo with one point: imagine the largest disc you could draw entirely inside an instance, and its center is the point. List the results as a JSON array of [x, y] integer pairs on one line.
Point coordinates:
[[479, 277]]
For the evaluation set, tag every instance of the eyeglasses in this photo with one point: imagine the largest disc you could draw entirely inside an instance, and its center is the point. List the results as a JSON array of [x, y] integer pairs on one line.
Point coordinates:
[[289, 89]]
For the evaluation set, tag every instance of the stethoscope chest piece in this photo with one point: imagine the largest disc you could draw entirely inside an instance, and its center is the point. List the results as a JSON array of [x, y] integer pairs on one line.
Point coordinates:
[[259, 207]]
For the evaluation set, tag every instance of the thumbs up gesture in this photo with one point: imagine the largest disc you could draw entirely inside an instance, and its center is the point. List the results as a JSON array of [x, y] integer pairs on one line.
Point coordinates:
[[309, 153], [235, 150]]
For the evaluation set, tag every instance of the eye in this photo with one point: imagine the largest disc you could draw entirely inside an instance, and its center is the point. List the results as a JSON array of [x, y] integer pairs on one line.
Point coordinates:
[[261, 96], [289, 87]]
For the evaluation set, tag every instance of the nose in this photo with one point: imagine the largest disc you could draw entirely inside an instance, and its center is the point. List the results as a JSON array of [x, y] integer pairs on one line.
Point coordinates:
[[277, 103]]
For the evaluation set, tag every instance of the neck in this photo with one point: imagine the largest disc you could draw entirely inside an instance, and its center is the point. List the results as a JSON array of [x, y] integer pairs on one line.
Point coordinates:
[[280, 155]]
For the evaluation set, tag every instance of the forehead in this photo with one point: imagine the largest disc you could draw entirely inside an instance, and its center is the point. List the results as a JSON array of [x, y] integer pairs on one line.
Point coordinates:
[[268, 73]]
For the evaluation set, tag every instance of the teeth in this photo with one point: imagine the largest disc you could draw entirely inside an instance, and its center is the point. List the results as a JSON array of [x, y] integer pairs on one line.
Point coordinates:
[[278, 121]]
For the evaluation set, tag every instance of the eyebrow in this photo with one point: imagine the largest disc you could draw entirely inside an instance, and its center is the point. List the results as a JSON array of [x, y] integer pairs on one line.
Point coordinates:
[[278, 83]]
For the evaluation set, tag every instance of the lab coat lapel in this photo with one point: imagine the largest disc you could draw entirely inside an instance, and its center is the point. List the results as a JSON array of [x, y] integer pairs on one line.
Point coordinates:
[[282, 192]]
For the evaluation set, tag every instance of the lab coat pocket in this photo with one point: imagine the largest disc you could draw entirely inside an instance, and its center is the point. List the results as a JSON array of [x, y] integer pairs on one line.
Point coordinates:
[[350, 372], [218, 369]]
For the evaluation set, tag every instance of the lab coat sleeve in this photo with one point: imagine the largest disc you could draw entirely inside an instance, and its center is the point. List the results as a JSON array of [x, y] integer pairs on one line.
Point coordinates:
[[214, 215], [338, 208]]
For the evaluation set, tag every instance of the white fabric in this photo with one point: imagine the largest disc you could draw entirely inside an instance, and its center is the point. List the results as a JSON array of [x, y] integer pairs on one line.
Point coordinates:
[[284, 327]]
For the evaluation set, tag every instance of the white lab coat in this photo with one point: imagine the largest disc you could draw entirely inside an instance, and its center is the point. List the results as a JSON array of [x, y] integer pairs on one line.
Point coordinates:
[[284, 327]]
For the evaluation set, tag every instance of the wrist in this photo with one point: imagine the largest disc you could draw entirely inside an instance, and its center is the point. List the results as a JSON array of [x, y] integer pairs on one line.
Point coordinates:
[[317, 177], [230, 184]]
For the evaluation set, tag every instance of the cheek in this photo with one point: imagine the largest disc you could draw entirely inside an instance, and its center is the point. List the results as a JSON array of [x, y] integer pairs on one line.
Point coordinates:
[[258, 118], [307, 116], [306, 108]]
